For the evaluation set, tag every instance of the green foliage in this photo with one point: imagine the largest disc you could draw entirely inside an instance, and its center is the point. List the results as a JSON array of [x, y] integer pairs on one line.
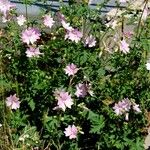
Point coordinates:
[[97, 122], [111, 74]]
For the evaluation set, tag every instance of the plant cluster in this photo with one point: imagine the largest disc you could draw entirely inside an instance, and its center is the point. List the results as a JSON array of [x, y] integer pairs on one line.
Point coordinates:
[[76, 79]]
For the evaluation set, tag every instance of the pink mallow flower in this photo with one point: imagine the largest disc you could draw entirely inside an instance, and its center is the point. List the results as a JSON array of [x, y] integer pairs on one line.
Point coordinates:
[[71, 132], [33, 52], [13, 102], [136, 108], [122, 107], [21, 20], [83, 89], [61, 16], [71, 69], [124, 46], [48, 21], [90, 41], [5, 7], [63, 21], [66, 25], [30, 35], [64, 99], [73, 35]]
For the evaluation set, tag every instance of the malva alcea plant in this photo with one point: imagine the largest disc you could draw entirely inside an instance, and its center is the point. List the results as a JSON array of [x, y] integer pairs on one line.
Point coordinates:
[[75, 79]]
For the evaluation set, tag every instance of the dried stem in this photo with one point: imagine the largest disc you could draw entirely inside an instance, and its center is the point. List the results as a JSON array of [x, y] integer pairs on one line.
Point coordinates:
[[139, 23]]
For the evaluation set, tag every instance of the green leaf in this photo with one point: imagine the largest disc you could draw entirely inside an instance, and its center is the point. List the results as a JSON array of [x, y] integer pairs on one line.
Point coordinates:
[[32, 104], [97, 122], [101, 72]]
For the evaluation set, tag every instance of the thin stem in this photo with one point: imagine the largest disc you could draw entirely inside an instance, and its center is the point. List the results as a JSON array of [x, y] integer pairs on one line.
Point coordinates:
[[47, 147], [3, 99], [99, 36], [71, 79], [122, 28], [83, 27], [139, 23], [10, 136], [26, 6], [55, 145]]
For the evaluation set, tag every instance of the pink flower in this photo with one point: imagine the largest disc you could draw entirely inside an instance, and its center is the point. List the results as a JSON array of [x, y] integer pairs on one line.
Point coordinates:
[[74, 35], [71, 69], [63, 21], [136, 108], [118, 109], [30, 35], [48, 21], [5, 7], [61, 17], [124, 47], [21, 20], [64, 99], [66, 25], [90, 41], [31, 52], [71, 131], [13, 102], [83, 89], [125, 104], [122, 106]]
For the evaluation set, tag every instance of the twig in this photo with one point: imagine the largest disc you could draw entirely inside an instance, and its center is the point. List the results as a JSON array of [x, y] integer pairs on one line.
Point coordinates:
[[139, 23]]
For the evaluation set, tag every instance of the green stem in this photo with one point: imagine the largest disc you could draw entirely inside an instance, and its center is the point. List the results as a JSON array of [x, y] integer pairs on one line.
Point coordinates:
[[71, 79], [3, 99], [26, 6], [10, 136]]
